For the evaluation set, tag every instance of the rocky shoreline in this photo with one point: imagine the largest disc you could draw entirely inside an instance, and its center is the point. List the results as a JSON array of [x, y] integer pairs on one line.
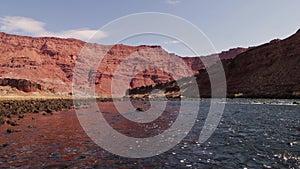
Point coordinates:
[[11, 111]]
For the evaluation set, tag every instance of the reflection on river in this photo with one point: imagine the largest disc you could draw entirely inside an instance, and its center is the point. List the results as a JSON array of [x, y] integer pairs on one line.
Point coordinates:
[[250, 135]]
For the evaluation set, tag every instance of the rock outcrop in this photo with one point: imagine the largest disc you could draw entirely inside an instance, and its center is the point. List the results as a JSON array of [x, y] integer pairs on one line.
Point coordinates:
[[21, 84]]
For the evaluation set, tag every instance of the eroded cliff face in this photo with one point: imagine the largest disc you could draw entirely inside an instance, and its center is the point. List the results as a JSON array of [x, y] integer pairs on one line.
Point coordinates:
[[46, 61], [21, 84], [267, 71], [50, 62]]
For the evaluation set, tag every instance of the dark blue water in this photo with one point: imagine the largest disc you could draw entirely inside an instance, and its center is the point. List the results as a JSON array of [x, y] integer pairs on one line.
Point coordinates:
[[251, 134]]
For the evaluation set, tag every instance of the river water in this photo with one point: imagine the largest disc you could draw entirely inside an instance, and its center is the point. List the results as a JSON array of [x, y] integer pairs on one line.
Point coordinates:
[[251, 134]]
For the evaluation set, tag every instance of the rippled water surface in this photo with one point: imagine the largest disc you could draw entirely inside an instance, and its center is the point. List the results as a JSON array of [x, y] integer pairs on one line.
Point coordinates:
[[251, 134]]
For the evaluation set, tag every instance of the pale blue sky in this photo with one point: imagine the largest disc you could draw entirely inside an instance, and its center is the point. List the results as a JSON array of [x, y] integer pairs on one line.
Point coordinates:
[[230, 23]]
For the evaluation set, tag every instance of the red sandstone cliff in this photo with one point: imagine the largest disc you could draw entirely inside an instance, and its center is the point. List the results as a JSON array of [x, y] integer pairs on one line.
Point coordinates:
[[269, 71], [49, 63]]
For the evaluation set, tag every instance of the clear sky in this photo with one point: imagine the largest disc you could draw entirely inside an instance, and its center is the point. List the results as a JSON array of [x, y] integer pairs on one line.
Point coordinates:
[[228, 24]]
